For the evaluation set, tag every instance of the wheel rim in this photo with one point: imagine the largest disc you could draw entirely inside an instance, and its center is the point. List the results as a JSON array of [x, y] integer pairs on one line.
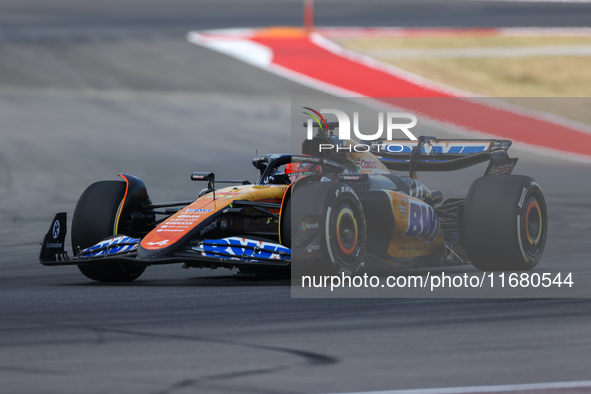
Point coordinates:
[[345, 240], [346, 231], [533, 222], [534, 226]]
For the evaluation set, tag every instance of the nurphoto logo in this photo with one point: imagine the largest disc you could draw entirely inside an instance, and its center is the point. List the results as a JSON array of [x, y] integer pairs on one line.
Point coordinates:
[[345, 124]]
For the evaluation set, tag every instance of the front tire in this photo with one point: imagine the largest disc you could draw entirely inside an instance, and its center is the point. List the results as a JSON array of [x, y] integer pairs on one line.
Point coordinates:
[[505, 223], [329, 226], [94, 220]]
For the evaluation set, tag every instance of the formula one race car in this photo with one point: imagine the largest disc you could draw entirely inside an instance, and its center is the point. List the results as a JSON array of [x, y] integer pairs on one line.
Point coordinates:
[[339, 210]]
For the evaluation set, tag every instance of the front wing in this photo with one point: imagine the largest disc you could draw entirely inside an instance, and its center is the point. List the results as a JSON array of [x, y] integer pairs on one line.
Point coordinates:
[[227, 252]]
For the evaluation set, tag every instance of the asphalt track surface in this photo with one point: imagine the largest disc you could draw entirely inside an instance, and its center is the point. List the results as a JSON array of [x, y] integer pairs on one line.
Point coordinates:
[[88, 91]]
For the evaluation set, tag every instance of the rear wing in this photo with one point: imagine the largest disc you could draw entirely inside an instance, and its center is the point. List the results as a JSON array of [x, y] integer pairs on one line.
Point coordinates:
[[433, 154], [426, 154]]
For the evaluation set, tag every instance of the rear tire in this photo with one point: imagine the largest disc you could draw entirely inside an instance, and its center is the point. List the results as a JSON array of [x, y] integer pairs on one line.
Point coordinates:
[[505, 223], [93, 221]]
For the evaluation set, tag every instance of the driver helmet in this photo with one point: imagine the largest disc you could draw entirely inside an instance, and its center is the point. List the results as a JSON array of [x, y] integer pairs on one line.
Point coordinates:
[[300, 170]]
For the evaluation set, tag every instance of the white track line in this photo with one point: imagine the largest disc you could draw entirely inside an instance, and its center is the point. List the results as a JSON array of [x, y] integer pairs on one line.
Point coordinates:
[[545, 31], [482, 52], [540, 1], [365, 32], [486, 389]]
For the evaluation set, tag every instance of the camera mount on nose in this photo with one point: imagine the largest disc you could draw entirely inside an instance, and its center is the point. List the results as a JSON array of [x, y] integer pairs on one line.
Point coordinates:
[[210, 178]]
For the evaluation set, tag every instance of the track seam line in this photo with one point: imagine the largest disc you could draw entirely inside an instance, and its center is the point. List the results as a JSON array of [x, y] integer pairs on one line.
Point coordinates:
[[484, 389]]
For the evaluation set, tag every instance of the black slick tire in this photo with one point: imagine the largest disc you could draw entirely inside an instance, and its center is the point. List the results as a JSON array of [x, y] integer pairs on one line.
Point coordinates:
[[505, 223], [93, 221]]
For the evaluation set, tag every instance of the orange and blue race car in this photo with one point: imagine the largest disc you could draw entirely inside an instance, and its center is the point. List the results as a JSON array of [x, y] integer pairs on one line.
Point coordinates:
[[339, 210]]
